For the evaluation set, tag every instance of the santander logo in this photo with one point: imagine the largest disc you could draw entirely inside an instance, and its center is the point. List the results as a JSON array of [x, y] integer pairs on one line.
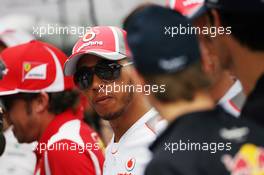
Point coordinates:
[[88, 37], [91, 43]]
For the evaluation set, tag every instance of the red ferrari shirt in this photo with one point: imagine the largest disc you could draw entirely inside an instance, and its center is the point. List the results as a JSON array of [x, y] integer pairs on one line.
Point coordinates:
[[69, 146]]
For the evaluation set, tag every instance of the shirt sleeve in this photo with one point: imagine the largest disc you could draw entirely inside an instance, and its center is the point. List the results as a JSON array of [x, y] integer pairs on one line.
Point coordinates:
[[180, 163]]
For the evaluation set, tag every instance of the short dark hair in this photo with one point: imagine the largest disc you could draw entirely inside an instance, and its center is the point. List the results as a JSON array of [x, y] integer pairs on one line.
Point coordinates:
[[58, 101], [181, 85], [61, 101], [8, 100], [247, 28]]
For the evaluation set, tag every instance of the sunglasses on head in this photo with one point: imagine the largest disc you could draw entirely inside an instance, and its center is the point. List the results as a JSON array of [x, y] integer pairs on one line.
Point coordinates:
[[105, 70]]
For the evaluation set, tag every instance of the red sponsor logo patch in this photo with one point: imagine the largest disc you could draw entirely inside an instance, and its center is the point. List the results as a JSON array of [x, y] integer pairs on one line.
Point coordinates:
[[130, 164], [248, 161], [90, 35], [34, 70]]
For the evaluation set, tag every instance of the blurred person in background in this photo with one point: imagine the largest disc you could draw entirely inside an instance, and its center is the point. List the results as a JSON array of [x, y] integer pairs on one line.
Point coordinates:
[[42, 105], [17, 158], [226, 88], [100, 60], [200, 139], [242, 51], [2, 137]]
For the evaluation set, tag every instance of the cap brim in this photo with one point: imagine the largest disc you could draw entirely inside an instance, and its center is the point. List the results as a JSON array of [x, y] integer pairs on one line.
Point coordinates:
[[198, 13], [4, 92], [70, 64]]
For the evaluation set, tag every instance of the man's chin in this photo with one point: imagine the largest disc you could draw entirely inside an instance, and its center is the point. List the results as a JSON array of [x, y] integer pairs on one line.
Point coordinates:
[[23, 140], [20, 140], [111, 115]]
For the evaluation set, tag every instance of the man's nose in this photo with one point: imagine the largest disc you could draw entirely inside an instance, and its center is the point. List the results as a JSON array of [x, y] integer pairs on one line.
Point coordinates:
[[97, 82]]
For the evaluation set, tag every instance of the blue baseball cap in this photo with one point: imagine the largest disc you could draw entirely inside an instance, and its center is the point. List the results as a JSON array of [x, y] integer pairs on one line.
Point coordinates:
[[234, 6], [155, 46]]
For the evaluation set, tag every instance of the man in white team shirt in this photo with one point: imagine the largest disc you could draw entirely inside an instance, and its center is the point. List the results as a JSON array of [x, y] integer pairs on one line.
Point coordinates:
[[100, 61], [226, 89]]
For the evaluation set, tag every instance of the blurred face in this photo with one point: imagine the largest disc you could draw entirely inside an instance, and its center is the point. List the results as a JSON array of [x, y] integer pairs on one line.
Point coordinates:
[[210, 52], [215, 55], [223, 51], [108, 104], [20, 115]]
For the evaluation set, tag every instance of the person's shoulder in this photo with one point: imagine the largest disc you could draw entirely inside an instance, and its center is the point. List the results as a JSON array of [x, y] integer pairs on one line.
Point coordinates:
[[88, 134], [197, 122], [192, 140], [143, 136], [210, 120], [65, 150], [166, 162], [145, 130], [158, 166], [202, 126], [76, 131], [66, 156], [68, 131]]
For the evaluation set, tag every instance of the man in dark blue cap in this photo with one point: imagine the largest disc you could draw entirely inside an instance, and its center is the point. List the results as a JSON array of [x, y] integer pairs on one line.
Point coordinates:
[[226, 88], [200, 139], [242, 52]]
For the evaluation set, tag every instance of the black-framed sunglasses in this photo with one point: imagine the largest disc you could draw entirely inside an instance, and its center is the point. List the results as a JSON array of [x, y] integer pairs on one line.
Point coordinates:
[[105, 70]]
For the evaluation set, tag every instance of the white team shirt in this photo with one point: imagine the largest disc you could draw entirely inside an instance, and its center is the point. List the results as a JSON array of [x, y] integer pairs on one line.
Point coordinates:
[[131, 154], [226, 100], [18, 159]]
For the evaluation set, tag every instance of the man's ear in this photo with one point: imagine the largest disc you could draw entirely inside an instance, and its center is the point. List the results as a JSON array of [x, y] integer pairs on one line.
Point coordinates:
[[216, 20], [207, 42], [41, 103], [206, 57]]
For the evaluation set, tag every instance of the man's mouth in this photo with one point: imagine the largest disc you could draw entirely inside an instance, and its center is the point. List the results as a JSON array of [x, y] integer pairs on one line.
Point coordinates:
[[102, 100]]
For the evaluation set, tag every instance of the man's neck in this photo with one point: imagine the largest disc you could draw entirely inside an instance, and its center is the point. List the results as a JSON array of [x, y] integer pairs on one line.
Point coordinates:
[[134, 111], [255, 71], [172, 111], [221, 86], [44, 122], [248, 65]]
